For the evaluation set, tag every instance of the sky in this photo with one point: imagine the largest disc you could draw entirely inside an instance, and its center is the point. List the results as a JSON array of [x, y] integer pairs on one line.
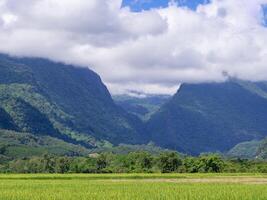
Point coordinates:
[[149, 46], [140, 5]]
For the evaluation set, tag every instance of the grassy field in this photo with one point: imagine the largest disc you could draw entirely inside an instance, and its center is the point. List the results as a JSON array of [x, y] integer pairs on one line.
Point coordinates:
[[134, 186]]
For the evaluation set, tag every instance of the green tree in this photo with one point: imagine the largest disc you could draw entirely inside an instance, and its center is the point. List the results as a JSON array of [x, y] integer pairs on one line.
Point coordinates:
[[62, 165], [79, 165], [101, 162], [49, 163], [141, 161], [211, 163], [35, 165], [169, 162], [191, 164], [145, 160]]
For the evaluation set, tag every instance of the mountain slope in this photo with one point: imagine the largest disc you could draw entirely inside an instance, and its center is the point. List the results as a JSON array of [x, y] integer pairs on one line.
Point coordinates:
[[245, 150], [18, 145], [44, 97], [250, 150], [6, 121], [210, 117], [262, 150]]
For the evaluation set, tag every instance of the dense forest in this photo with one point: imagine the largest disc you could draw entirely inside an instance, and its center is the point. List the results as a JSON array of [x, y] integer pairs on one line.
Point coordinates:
[[134, 162]]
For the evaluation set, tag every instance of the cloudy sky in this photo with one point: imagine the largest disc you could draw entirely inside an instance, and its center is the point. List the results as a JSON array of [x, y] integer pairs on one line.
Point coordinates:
[[145, 45]]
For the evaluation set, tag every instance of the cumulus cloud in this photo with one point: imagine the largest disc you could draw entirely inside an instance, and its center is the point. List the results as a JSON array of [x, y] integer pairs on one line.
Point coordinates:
[[151, 51]]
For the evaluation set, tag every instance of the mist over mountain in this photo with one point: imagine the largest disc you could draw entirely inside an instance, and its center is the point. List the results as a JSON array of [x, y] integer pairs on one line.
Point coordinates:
[[147, 45], [71, 104]]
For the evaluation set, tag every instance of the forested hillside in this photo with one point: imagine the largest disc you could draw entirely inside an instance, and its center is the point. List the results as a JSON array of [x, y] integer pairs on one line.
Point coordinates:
[[47, 98], [14, 145], [70, 103], [211, 117]]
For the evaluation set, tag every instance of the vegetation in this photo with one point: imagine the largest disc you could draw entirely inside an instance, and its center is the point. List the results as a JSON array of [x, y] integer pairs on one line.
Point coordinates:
[[14, 145], [203, 117], [69, 103], [59, 119], [133, 186], [246, 150], [62, 101], [134, 162], [128, 148]]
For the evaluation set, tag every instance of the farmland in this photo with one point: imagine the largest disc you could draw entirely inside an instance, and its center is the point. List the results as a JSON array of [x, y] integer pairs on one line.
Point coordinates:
[[134, 186]]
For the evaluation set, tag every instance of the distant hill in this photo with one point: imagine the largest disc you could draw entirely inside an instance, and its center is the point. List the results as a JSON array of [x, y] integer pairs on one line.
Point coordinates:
[[19, 145], [245, 150], [211, 117], [250, 150], [127, 148], [262, 150], [46, 98], [143, 106]]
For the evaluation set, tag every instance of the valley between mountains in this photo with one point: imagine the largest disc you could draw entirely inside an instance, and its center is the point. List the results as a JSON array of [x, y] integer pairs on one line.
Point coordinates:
[[67, 110]]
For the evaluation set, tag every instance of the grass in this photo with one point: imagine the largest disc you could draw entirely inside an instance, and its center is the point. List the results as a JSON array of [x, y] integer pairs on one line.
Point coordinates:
[[134, 187]]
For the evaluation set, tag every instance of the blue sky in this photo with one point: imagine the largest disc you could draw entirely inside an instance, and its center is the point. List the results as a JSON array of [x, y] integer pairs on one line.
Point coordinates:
[[264, 7], [138, 5]]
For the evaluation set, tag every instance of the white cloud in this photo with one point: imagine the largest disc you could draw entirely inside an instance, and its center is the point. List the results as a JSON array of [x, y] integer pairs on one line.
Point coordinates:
[[151, 51]]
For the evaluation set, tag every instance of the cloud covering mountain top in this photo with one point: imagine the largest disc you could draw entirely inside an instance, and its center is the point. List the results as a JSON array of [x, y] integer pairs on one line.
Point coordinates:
[[150, 51]]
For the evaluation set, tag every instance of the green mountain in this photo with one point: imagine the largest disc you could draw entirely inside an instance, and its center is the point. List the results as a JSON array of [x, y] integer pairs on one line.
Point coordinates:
[[211, 117], [19, 145], [262, 150], [141, 106], [46, 98], [250, 150], [245, 150], [68, 107]]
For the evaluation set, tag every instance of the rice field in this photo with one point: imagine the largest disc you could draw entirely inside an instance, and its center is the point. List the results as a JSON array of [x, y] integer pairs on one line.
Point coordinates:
[[134, 187]]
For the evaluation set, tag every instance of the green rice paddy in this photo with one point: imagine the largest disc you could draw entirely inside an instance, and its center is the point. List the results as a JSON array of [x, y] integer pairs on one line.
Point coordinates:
[[134, 187]]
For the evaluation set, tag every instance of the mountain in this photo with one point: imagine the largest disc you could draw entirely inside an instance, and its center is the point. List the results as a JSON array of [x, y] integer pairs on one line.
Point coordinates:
[[20, 145], [67, 102], [211, 117], [143, 105], [262, 150], [128, 148], [245, 150], [68, 106], [250, 150], [6, 121]]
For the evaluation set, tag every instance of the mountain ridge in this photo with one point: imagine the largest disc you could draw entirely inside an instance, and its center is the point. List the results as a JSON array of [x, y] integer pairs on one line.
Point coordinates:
[[74, 100], [47, 98], [209, 117]]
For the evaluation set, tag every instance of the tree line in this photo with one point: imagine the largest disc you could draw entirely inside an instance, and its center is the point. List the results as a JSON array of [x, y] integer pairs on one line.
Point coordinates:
[[134, 162]]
